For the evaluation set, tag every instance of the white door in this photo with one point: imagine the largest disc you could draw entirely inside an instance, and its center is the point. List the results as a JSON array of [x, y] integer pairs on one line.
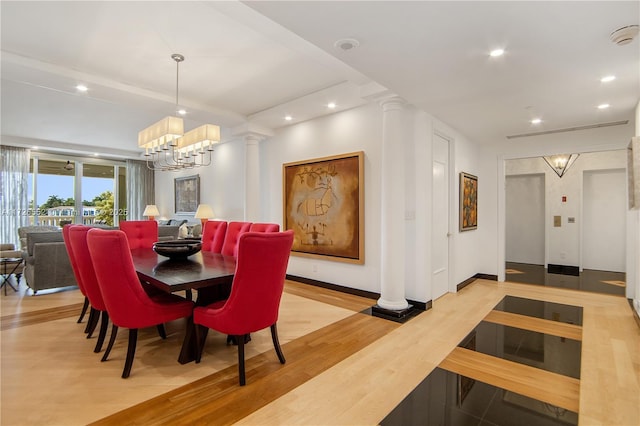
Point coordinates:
[[604, 229], [440, 214], [524, 207]]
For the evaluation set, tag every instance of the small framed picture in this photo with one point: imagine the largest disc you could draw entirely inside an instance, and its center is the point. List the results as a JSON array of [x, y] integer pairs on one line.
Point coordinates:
[[468, 202]]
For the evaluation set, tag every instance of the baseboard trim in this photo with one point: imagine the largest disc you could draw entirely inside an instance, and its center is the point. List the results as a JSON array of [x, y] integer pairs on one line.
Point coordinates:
[[635, 313], [423, 306], [563, 270], [478, 276]]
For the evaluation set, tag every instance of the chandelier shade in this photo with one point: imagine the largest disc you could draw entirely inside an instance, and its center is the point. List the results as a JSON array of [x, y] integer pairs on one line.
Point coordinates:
[[560, 163], [168, 147]]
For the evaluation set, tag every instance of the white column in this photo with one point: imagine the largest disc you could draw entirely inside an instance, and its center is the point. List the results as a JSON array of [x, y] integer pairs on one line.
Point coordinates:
[[252, 178], [392, 274]]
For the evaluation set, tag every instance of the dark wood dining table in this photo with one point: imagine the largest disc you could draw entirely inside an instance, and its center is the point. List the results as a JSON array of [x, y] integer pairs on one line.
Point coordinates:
[[211, 274]]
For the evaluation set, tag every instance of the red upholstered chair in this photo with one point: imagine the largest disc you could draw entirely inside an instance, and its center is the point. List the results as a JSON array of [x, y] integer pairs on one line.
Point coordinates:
[[80, 250], [72, 260], [128, 304], [234, 230], [213, 235], [255, 293], [264, 227], [140, 233]]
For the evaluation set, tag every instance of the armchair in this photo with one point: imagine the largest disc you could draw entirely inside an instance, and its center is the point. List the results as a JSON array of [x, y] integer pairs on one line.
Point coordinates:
[[47, 263]]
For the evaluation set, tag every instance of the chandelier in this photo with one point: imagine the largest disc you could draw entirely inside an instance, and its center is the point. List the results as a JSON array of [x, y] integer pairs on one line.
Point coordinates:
[[561, 163], [167, 147]]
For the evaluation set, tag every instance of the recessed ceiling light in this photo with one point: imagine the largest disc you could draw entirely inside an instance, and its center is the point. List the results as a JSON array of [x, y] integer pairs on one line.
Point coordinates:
[[288, 118], [603, 106], [331, 105], [608, 78], [182, 111], [496, 52], [81, 88], [95, 154], [347, 44], [536, 121], [35, 147]]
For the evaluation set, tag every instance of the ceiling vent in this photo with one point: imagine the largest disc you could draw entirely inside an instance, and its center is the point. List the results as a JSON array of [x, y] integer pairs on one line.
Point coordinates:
[[624, 35]]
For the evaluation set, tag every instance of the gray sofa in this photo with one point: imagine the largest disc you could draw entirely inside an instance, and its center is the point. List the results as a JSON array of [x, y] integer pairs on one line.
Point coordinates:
[[47, 263]]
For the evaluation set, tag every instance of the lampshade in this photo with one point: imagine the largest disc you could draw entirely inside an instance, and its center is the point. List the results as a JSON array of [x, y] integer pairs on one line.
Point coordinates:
[[204, 211], [561, 163], [151, 210], [161, 132], [200, 138]]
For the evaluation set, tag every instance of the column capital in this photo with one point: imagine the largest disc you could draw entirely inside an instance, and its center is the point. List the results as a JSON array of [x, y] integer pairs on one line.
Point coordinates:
[[251, 131], [392, 103]]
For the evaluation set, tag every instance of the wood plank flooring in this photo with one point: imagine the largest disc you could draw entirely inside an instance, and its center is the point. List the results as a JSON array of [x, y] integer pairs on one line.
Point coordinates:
[[342, 367]]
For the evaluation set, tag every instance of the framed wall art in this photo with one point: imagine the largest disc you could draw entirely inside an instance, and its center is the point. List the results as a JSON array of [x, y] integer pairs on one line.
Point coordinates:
[[468, 202], [323, 203], [187, 194]]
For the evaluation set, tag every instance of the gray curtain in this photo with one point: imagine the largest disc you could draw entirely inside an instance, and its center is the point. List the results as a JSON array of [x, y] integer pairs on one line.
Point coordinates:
[[140, 188], [14, 175]]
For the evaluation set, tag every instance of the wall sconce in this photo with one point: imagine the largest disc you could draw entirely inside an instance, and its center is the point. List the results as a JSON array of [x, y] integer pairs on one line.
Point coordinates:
[[152, 211], [561, 163], [203, 213]]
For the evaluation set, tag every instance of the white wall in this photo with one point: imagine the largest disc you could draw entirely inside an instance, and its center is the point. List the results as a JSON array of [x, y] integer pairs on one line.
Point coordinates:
[[359, 129], [221, 184], [563, 244]]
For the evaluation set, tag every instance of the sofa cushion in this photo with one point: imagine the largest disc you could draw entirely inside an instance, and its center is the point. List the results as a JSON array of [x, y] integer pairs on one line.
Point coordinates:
[[42, 237]]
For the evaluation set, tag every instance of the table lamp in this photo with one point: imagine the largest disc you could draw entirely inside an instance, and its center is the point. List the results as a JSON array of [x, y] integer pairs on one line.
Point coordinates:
[[203, 213], [152, 211]]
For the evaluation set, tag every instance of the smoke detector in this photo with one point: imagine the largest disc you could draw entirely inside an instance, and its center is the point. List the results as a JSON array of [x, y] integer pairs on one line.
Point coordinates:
[[347, 44], [624, 35]]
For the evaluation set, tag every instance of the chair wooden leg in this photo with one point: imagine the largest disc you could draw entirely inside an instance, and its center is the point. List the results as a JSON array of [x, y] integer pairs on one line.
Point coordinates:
[[112, 339], [131, 352], [84, 309], [276, 344], [199, 345], [103, 331], [93, 322], [161, 331], [89, 320], [240, 340]]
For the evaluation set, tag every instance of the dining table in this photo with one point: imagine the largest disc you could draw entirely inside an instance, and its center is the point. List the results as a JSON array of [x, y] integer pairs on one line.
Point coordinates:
[[210, 274]]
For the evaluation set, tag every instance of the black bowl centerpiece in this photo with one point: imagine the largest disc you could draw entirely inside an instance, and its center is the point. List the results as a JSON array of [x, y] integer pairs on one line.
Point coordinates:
[[177, 249]]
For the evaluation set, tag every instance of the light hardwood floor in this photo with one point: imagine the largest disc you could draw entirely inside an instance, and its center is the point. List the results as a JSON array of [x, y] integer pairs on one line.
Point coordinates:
[[343, 367]]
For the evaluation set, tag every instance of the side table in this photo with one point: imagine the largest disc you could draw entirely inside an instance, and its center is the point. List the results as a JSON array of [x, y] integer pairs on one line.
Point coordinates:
[[6, 263]]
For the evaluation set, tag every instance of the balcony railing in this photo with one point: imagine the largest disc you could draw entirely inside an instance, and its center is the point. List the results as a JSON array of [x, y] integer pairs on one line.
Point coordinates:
[[60, 220]]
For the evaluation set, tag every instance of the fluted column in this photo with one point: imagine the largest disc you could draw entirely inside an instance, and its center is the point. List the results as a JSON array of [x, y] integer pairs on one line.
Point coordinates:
[[252, 178], [392, 233]]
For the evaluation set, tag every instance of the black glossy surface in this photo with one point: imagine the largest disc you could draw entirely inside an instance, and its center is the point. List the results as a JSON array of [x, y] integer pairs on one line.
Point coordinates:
[[540, 309], [436, 401], [588, 280], [544, 351]]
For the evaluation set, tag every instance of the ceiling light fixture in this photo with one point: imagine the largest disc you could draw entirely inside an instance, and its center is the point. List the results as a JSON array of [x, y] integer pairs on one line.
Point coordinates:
[[166, 145], [561, 163], [288, 118], [81, 88], [347, 44], [608, 78], [496, 52], [603, 106], [331, 105], [536, 121]]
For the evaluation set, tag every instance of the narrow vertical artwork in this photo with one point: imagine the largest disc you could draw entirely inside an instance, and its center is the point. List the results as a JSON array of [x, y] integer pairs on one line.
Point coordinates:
[[468, 202]]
